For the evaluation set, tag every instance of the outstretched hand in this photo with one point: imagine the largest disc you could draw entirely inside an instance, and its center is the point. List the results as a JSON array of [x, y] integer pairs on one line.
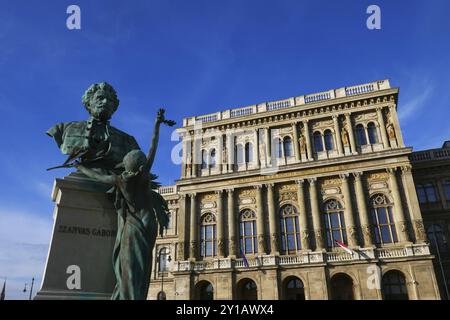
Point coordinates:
[[160, 118]]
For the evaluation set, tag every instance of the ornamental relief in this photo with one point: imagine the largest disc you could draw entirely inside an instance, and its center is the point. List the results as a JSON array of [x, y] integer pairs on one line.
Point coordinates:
[[247, 201], [244, 138], [378, 185], [365, 116], [247, 193], [287, 188], [208, 198], [322, 124], [331, 182], [208, 205], [331, 191], [380, 176], [287, 196]]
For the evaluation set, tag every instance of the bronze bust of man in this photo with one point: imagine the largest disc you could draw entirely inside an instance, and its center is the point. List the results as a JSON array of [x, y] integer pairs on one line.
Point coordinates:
[[95, 141]]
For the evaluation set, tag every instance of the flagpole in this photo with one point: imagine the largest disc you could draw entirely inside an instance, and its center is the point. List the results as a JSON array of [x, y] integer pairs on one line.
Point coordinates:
[[31, 290]]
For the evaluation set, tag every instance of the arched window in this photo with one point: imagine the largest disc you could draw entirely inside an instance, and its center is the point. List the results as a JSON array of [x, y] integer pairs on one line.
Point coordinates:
[[342, 287], [248, 152], [328, 136], [382, 220], [239, 154], [361, 135], [212, 161], [247, 290], [287, 144], [208, 236], [334, 223], [372, 132], [204, 159], [394, 286], [290, 232], [163, 258], [318, 145], [437, 239], [247, 231], [294, 289], [204, 291]]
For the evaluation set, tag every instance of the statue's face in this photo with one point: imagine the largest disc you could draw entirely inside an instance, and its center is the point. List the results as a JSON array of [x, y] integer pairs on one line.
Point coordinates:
[[101, 105]]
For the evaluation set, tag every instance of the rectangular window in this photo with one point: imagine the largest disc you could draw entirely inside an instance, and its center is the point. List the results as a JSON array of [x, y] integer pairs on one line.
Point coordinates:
[[447, 190], [431, 193]]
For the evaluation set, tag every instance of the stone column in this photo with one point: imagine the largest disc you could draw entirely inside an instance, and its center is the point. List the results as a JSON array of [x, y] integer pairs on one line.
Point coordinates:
[[256, 161], [399, 215], [351, 135], [193, 230], [384, 136], [273, 223], [317, 225], [268, 150], [362, 210], [303, 218], [231, 224], [196, 156], [308, 140], [398, 132], [220, 237], [295, 142], [184, 156], [338, 135], [182, 228], [230, 151], [260, 221], [413, 204], [352, 236]]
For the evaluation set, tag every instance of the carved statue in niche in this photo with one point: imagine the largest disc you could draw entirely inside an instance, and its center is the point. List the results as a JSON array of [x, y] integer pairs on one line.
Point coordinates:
[[344, 135], [390, 126]]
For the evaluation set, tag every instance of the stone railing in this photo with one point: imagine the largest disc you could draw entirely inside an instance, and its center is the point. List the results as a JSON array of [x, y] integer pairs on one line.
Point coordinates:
[[434, 154], [290, 102], [167, 190], [303, 258]]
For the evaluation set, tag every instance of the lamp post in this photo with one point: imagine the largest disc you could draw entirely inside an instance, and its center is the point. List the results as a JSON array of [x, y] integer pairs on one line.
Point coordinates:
[[31, 289], [436, 244], [162, 295]]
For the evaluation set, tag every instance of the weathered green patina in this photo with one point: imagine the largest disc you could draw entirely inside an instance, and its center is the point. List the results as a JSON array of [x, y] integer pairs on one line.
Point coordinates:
[[95, 151]]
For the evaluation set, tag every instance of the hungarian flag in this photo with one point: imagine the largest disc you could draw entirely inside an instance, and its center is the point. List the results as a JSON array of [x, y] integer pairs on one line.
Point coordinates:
[[343, 246], [245, 259], [2, 295]]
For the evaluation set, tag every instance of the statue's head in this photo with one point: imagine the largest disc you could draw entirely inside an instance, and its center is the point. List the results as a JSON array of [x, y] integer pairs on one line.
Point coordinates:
[[134, 161], [100, 100]]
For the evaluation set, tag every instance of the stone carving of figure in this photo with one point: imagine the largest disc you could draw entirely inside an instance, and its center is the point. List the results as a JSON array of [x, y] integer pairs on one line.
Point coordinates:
[[390, 126], [139, 209], [344, 135], [302, 141]]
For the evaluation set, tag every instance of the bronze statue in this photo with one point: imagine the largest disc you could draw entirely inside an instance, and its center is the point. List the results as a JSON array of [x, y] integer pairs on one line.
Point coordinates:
[[113, 157], [139, 208], [94, 141]]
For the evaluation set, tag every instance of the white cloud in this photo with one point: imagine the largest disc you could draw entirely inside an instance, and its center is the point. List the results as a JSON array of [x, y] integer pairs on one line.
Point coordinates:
[[24, 240], [417, 101]]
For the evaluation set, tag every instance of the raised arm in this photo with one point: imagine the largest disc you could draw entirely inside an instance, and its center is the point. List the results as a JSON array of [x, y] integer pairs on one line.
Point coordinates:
[[109, 179], [155, 137]]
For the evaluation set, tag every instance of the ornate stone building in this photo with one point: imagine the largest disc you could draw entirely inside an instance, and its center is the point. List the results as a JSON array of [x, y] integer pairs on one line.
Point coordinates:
[[268, 193], [431, 170]]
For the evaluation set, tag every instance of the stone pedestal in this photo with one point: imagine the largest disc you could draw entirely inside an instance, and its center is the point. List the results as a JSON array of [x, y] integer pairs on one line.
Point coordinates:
[[79, 261]]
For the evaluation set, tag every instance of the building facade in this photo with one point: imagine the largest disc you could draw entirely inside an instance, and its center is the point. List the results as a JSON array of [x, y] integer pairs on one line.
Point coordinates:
[[431, 171], [270, 193]]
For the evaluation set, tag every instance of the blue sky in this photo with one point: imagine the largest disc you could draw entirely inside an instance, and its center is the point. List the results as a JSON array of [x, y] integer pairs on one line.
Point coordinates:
[[192, 57]]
